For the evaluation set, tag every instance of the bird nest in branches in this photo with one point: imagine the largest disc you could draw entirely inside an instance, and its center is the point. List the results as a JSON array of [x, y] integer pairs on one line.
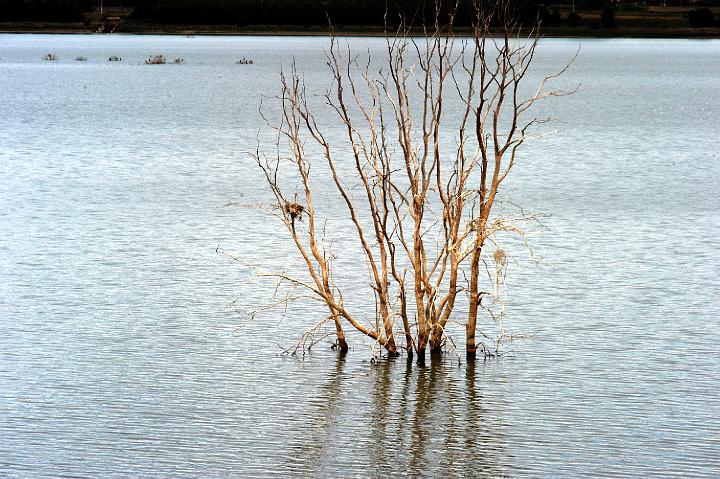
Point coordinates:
[[295, 210], [500, 257]]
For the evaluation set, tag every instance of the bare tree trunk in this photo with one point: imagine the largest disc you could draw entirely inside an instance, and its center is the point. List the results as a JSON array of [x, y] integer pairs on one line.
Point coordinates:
[[474, 299]]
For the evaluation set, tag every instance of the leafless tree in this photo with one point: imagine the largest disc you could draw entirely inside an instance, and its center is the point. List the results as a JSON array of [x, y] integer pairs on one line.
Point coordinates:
[[428, 177]]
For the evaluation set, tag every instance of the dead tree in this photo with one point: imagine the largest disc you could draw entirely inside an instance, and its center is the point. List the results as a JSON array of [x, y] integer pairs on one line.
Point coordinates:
[[429, 179]]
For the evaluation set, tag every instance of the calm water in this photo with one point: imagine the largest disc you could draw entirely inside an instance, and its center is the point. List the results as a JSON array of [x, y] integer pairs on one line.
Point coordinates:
[[121, 356]]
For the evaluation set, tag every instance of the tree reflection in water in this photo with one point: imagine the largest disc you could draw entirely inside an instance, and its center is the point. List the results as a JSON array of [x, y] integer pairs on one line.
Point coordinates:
[[315, 451], [395, 418]]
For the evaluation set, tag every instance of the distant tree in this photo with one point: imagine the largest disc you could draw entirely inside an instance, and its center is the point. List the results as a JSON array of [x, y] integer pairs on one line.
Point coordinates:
[[701, 18], [607, 17]]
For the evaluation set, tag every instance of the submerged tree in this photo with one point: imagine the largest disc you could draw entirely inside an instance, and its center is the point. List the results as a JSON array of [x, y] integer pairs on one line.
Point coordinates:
[[429, 138]]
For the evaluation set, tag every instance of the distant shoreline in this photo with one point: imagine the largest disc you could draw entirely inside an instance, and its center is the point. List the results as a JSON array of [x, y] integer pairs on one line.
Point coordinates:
[[291, 31]]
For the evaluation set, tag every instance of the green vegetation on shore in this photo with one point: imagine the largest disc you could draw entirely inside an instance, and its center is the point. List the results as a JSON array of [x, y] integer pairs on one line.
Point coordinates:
[[598, 18]]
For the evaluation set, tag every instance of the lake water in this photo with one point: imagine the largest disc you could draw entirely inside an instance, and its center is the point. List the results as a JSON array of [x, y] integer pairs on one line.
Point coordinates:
[[121, 355]]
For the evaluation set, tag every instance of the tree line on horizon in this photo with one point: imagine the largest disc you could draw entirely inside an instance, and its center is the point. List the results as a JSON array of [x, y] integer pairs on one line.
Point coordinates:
[[249, 12], [45, 10], [295, 12], [301, 12]]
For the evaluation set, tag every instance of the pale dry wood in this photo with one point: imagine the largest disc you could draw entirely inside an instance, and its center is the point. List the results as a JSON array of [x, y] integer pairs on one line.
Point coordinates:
[[421, 207]]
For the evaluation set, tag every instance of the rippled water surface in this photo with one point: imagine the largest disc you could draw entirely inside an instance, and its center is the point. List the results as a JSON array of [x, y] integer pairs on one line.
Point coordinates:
[[121, 356]]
